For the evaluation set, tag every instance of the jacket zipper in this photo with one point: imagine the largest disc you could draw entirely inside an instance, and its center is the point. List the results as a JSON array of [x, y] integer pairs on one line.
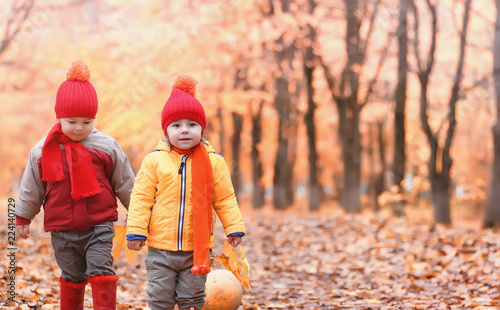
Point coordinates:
[[182, 172]]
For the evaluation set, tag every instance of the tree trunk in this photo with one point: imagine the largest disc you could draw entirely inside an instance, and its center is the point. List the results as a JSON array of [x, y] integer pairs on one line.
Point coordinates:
[[399, 159], [236, 143], [292, 151], [439, 172], [222, 136], [351, 192], [350, 136], [282, 171], [372, 169], [380, 184], [441, 198], [346, 94], [349, 118], [315, 191], [442, 188], [257, 169], [492, 214], [439, 184], [376, 182], [283, 192]]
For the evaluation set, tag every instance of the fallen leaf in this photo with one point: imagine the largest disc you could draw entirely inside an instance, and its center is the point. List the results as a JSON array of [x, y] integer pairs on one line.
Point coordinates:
[[121, 240], [230, 261]]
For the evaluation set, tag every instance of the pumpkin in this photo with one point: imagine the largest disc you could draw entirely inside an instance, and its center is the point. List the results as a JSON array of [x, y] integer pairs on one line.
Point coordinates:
[[224, 291]]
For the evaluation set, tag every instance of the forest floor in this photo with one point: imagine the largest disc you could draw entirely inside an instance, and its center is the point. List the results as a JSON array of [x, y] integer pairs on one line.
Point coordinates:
[[322, 260]]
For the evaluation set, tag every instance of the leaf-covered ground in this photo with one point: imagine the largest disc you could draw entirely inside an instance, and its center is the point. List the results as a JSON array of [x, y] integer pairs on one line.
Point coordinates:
[[322, 261]]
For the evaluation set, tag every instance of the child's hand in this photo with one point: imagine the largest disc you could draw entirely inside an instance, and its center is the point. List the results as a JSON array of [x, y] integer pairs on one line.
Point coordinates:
[[23, 231], [234, 240], [135, 245]]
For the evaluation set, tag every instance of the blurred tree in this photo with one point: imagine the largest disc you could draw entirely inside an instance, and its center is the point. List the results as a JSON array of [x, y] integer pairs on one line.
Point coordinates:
[[236, 152], [258, 199], [315, 190], [376, 146], [399, 158], [241, 82], [347, 94], [284, 51], [440, 161], [222, 132], [19, 13], [135, 48], [492, 215]]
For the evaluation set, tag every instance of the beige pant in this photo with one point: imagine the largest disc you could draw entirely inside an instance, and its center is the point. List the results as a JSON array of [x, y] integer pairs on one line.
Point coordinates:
[[84, 254], [172, 282]]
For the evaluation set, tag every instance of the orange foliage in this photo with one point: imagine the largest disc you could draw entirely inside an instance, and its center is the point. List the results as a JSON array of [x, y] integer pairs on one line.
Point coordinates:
[[135, 49], [238, 266], [120, 241]]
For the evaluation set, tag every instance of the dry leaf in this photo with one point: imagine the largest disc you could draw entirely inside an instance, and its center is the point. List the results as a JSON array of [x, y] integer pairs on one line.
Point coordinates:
[[121, 240], [230, 261]]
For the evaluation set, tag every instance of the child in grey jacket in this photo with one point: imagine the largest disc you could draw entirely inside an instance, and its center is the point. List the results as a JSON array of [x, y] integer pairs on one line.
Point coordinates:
[[76, 173]]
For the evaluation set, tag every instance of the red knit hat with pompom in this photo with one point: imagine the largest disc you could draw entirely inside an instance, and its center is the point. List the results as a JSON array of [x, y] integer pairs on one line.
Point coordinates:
[[76, 97], [182, 102]]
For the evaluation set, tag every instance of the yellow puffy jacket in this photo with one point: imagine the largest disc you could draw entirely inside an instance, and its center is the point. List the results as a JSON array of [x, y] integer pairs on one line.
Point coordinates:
[[161, 202]]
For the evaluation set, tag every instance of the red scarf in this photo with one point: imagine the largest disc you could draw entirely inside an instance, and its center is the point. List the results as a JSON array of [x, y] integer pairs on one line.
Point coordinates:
[[81, 171], [203, 193]]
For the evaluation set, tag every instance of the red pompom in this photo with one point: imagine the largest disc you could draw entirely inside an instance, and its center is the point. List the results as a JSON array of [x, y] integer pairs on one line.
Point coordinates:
[[196, 270], [200, 269], [78, 71], [186, 83], [205, 269]]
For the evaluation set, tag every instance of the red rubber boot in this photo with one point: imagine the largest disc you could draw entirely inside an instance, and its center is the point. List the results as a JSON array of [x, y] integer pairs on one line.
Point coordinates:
[[72, 295], [104, 292]]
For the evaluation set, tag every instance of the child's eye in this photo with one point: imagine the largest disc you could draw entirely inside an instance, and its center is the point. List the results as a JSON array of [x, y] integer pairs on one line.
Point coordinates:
[[71, 122], [86, 123]]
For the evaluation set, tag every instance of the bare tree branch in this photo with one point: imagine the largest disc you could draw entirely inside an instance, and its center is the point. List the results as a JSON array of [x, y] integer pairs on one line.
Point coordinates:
[[416, 40], [424, 73], [19, 14], [373, 81], [430, 59], [330, 80], [456, 83], [364, 45]]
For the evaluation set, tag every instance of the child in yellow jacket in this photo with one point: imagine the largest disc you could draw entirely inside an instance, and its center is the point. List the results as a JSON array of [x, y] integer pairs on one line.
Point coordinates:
[[180, 187]]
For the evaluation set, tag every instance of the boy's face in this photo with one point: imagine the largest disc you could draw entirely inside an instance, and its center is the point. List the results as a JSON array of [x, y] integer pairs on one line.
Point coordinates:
[[77, 128], [184, 133]]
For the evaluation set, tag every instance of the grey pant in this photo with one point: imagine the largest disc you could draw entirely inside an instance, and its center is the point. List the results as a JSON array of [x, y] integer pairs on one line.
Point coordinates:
[[84, 254], [172, 282]]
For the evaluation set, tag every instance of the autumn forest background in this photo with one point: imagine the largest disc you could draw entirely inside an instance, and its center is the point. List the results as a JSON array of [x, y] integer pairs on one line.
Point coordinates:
[[357, 121]]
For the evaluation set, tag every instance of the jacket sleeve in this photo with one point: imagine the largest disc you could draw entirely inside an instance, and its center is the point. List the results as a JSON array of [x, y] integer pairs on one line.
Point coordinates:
[[32, 188], [122, 179], [142, 198], [224, 201]]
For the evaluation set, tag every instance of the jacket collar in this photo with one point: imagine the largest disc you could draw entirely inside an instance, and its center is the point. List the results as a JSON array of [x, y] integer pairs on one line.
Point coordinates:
[[163, 146]]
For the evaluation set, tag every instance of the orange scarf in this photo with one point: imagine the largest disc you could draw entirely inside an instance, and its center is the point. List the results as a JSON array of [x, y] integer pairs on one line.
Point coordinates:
[[81, 170], [203, 193]]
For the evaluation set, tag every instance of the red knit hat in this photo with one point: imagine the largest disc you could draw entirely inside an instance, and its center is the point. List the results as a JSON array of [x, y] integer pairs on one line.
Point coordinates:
[[182, 102], [76, 97]]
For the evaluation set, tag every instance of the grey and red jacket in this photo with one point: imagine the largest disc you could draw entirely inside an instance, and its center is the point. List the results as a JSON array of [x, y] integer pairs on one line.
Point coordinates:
[[113, 173]]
